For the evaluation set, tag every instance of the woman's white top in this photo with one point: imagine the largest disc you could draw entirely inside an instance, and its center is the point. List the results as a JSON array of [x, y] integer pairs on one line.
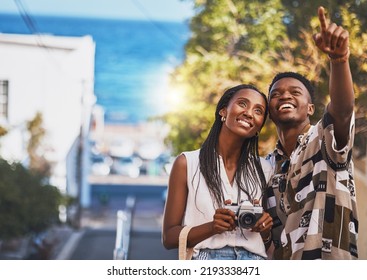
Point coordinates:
[[200, 208]]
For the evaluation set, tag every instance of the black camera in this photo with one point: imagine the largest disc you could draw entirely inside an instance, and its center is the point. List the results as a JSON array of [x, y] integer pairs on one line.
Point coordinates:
[[247, 214]]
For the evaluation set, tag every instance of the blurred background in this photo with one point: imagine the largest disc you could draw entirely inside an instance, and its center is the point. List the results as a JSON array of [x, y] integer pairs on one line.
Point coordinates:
[[98, 97]]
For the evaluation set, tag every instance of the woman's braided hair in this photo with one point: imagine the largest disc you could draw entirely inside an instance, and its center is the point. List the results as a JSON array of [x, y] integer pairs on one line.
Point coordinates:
[[249, 173]]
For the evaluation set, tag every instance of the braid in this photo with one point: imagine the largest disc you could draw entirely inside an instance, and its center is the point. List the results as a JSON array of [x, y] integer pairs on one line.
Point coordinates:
[[249, 172], [209, 163]]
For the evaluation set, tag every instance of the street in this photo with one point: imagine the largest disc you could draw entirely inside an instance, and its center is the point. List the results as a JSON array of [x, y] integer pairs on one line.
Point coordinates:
[[97, 237]]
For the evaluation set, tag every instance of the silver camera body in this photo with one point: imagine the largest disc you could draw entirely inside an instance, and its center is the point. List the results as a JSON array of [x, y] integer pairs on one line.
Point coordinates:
[[247, 214]]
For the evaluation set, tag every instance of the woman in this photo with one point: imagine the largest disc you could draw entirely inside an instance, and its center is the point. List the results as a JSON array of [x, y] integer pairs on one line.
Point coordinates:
[[227, 169]]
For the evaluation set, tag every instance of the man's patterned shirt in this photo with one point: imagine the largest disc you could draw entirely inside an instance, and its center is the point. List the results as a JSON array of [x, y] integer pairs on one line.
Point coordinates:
[[316, 216]]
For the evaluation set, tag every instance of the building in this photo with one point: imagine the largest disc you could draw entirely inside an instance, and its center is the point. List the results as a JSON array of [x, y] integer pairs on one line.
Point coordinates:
[[53, 76]]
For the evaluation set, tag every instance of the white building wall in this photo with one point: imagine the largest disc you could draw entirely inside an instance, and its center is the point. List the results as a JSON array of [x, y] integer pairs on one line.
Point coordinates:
[[55, 76]]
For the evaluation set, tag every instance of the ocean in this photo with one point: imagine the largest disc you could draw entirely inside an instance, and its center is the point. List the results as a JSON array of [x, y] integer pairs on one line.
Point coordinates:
[[132, 63]]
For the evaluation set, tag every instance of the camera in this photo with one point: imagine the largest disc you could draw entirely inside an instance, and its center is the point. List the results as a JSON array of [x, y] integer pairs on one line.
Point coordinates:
[[247, 214]]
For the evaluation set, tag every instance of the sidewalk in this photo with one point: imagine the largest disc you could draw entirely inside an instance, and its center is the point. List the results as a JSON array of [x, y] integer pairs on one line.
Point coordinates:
[[49, 245], [63, 240]]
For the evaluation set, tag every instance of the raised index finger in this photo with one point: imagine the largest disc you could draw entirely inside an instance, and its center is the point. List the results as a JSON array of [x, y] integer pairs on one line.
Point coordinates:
[[322, 18]]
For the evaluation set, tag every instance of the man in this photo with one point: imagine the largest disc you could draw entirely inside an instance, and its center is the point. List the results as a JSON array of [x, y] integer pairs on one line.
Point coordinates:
[[311, 195]]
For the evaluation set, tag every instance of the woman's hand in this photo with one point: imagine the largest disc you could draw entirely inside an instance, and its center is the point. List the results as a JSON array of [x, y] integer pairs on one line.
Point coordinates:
[[264, 225], [224, 219]]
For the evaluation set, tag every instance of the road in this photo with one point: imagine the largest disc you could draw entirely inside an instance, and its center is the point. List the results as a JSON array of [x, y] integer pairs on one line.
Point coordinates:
[[96, 239]]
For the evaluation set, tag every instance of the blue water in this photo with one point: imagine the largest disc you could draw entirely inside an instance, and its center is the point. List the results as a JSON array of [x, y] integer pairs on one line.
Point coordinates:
[[132, 62]]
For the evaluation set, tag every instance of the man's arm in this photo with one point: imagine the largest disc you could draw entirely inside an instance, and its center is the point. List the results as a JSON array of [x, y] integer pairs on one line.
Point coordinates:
[[334, 41]]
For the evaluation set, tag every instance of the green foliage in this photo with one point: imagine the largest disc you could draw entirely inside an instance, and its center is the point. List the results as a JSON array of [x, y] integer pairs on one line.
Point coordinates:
[[195, 129], [229, 46], [236, 41], [26, 205], [225, 26], [35, 148], [300, 13]]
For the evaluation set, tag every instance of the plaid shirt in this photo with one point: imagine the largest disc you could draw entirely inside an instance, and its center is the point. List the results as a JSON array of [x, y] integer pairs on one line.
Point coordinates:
[[316, 216]]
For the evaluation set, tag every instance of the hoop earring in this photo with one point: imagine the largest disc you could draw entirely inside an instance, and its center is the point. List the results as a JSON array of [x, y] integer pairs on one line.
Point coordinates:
[[223, 119]]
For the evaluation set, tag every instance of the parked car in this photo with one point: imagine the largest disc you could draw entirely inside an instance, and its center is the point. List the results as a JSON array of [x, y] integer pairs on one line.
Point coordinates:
[[101, 164], [122, 147], [127, 166], [150, 150]]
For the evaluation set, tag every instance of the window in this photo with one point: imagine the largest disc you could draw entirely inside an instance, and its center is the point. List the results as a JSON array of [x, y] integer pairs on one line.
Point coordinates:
[[4, 93]]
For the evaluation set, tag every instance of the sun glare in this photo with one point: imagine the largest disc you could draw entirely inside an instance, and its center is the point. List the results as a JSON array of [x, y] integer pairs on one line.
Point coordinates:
[[175, 98]]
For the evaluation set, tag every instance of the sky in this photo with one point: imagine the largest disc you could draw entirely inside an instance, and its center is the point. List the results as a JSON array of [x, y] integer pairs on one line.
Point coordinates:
[[166, 10]]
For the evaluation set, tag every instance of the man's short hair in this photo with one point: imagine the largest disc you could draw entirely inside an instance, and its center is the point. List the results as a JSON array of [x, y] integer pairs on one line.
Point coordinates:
[[306, 82]]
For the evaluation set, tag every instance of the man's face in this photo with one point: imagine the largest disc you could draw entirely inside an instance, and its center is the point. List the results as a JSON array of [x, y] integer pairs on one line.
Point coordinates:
[[289, 102]]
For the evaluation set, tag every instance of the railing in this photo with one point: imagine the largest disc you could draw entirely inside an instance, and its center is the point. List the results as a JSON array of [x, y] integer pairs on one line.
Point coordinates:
[[123, 230]]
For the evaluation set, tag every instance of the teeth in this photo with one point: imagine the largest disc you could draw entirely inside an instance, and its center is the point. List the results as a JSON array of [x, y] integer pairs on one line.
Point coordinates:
[[244, 123], [286, 106]]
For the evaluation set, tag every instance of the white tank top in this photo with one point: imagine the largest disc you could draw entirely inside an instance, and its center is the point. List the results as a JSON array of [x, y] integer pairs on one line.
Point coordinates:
[[200, 208]]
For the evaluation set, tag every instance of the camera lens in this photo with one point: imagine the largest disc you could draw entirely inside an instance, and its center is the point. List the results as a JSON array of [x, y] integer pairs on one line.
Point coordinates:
[[246, 220]]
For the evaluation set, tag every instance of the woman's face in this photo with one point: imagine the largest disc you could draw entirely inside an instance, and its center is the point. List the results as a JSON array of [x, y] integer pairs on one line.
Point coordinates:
[[245, 113]]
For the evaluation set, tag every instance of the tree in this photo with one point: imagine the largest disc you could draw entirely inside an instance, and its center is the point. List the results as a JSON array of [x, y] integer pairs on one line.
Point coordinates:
[[229, 45], [239, 41], [26, 205], [350, 14]]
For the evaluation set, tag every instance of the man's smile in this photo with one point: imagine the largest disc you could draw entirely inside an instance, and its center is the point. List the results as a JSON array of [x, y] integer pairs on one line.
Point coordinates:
[[286, 106]]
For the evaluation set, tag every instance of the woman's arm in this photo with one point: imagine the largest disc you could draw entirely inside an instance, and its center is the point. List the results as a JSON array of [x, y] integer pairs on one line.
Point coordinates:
[[175, 203], [223, 219]]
